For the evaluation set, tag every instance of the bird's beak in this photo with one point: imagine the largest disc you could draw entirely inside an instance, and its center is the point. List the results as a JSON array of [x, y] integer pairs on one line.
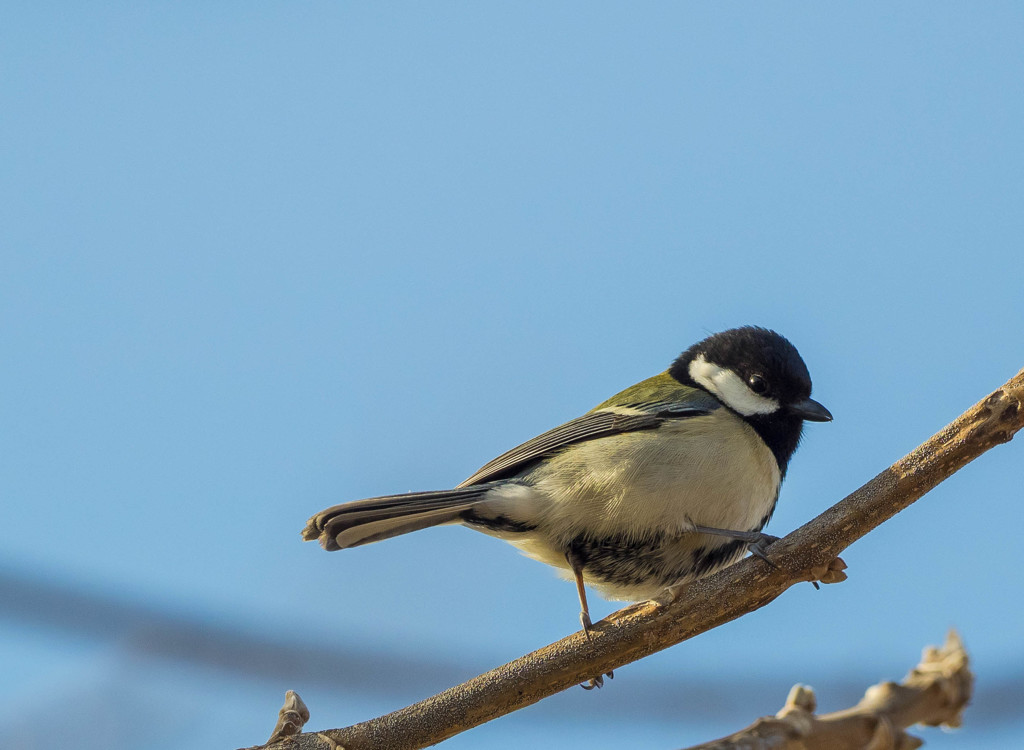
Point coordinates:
[[810, 410]]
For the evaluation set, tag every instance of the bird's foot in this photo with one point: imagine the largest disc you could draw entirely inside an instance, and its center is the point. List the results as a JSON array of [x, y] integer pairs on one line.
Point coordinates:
[[593, 682], [597, 682], [757, 542], [759, 548], [670, 593], [587, 624]]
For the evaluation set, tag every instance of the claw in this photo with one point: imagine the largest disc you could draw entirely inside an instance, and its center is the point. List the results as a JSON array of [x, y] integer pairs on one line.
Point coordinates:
[[598, 682], [587, 624], [757, 541], [758, 549]]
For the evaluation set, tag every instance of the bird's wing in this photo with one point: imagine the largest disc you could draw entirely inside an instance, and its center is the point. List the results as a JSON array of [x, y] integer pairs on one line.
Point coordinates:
[[364, 521], [602, 422]]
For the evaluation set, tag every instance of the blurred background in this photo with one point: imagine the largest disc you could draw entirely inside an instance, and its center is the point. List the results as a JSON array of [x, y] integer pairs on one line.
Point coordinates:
[[262, 258]]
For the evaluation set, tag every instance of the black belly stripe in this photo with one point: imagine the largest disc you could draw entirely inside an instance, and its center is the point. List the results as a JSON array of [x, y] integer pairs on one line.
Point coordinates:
[[619, 559], [708, 560], [626, 561]]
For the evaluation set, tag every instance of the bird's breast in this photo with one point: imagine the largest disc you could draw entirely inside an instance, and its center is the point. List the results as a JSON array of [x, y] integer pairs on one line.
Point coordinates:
[[710, 470]]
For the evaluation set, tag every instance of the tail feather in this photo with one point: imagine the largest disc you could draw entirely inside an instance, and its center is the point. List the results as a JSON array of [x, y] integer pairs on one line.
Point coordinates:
[[376, 518], [377, 530]]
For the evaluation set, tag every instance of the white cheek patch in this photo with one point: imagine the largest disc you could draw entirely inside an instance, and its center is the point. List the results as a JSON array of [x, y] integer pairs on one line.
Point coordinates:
[[732, 391]]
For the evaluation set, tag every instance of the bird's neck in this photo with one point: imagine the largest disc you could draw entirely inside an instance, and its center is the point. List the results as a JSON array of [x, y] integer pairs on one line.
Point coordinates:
[[780, 432]]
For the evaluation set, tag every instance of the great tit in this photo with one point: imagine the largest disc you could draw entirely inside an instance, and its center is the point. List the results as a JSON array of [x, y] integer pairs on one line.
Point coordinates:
[[667, 481]]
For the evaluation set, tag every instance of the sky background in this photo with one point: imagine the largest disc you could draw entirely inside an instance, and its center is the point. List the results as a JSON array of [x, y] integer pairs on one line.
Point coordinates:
[[262, 258]]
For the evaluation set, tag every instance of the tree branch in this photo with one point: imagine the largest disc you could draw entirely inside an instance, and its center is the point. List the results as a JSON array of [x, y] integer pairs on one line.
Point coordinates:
[[642, 629], [290, 719], [934, 693]]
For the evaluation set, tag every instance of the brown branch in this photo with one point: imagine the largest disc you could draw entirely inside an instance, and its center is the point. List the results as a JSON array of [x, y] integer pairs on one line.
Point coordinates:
[[291, 718], [642, 629], [934, 693]]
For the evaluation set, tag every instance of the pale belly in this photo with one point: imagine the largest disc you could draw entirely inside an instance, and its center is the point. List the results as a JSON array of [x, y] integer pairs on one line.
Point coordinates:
[[627, 505]]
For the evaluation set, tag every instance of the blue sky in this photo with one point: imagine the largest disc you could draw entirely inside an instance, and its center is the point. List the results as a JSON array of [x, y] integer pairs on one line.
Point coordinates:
[[258, 259]]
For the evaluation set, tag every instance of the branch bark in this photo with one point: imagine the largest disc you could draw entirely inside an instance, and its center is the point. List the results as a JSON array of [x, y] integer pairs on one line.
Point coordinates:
[[639, 630], [934, 693]]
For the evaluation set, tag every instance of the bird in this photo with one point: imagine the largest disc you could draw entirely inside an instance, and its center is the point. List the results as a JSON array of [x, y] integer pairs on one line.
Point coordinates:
[[667, 481]]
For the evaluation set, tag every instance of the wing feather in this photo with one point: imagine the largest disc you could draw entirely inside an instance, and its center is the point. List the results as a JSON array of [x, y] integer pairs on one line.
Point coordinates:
[[590, 426]]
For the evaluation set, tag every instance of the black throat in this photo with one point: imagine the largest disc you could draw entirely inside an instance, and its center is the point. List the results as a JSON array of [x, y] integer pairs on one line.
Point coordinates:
[[780, 432]]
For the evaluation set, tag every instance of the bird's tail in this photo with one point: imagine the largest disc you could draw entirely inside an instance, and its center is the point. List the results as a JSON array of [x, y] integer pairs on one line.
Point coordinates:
[[376, 518]]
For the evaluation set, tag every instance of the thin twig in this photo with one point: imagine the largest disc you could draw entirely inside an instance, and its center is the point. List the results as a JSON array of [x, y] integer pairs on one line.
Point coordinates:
[[934, 694], [291, 718], [642, 629]]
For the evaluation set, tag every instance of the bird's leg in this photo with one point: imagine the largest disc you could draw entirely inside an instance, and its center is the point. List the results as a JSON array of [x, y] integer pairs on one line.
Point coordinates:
[[757, 542], [577, 570], [831, 573]]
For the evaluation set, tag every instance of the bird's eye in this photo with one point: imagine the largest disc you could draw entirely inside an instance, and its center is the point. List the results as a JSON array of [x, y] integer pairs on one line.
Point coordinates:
[[757, 384]]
